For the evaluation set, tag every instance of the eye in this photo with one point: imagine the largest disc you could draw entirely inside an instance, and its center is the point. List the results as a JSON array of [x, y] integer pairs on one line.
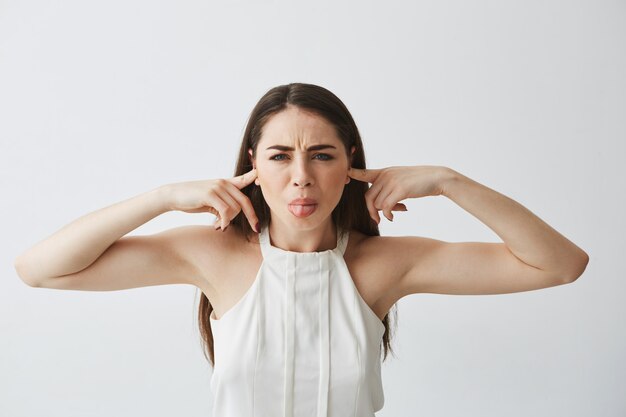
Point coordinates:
[[326, 157], [273, 158]]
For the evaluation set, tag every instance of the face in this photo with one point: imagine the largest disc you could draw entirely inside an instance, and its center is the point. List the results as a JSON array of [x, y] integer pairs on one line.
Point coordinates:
[[300, 156]]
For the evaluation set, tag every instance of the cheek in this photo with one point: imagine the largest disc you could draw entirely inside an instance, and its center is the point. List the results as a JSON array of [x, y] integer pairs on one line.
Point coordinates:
[[269, 172], [272, 183], [334, 184]]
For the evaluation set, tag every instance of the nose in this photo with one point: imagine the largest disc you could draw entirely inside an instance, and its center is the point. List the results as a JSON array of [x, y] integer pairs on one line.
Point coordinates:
[[301, 173]]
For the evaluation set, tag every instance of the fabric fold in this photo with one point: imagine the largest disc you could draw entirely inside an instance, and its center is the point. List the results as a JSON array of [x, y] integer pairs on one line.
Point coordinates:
[[290, 294], [324, 336]]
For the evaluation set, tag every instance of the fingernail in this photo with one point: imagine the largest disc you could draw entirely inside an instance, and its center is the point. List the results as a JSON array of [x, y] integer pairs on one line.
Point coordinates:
[[224, 229]]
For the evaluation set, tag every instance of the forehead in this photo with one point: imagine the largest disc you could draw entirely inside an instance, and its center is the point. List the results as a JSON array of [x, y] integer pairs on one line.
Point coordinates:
[[297, 128]]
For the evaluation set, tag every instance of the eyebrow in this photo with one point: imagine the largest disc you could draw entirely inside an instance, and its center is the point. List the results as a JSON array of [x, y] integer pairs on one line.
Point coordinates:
[[310, 148]]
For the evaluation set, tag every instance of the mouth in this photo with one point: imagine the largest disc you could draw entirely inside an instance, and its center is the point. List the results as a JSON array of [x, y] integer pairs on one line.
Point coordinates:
[[303, 201], [302, 210]]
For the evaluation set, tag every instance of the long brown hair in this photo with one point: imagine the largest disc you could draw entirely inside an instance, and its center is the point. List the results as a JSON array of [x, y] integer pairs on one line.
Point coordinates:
[[351, 211]]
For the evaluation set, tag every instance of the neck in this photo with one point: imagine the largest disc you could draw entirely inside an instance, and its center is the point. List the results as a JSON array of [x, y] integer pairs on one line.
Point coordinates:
[[317, 239]]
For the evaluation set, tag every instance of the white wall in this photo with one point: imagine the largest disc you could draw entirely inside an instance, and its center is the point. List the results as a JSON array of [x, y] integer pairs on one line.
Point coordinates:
[[100, 101]]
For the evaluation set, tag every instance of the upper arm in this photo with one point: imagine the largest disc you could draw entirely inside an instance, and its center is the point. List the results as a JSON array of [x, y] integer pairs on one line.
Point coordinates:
[[135, 261], [467, 268]]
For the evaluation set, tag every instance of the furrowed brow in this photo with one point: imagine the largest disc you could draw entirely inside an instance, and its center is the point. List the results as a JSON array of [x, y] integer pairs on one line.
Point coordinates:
[[310, 148]]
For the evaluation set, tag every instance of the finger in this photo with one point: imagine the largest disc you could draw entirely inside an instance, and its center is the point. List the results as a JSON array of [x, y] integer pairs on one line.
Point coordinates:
[[365, 175], [399, 207], [218, 207], [216, 213], [382, 202], [370, 196], [388, 214], [244, 180], [229, 205], [232, 210], [377, 199], [245, 205]]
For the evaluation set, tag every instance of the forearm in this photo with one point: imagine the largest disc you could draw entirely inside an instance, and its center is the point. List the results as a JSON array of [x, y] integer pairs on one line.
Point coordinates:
[[79, 243], [528, 237]]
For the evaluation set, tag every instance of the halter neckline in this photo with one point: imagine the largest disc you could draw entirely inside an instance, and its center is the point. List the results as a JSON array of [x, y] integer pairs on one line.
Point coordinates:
[[269, 249]]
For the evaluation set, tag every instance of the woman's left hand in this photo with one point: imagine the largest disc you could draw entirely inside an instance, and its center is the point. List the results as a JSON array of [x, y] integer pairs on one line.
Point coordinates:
[[393, 184]]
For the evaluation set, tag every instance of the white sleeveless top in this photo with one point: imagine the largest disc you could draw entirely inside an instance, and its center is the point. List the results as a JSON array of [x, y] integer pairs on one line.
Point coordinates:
[[301, 342]]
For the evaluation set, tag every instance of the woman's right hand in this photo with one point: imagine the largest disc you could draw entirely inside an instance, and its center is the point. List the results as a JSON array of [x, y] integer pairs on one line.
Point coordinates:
[[221, 197]]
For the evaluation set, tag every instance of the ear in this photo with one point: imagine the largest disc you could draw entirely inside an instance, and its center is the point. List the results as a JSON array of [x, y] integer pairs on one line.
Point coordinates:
[[251, 158], [351, 157], [253, 162]]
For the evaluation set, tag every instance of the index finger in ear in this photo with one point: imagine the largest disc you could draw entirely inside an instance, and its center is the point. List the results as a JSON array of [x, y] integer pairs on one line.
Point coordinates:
[[243, 180], [365, 175]]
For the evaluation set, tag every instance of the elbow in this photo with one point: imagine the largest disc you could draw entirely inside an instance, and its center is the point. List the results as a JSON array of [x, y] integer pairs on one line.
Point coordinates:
[[19, 266], [581, 266], [32, 284]]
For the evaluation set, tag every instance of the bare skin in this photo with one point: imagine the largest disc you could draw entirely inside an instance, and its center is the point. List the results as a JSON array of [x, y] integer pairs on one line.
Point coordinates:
[[92, 253], [286, 169], [367, 260]]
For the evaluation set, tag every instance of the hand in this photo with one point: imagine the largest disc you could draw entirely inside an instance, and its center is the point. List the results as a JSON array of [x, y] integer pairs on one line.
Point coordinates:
[[393, 184], [221, 197]]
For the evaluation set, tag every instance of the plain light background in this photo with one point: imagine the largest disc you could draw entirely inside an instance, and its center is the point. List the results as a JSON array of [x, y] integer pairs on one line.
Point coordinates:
[[101, 101]]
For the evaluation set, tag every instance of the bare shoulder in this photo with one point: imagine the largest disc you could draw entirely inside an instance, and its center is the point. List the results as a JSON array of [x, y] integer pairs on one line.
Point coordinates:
[[369, 251], [229, 263], [380, 266], [223, 260], [376, 264]]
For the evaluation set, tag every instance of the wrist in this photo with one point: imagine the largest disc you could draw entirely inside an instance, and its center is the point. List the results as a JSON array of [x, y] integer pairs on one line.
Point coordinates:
[[160, 198], [447, 178]]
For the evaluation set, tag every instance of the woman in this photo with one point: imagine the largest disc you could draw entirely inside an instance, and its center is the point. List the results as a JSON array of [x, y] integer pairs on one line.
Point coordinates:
[[303, 282]]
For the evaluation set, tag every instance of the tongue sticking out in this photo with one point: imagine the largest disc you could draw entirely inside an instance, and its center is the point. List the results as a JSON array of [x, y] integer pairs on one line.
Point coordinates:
[[302, 210]]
